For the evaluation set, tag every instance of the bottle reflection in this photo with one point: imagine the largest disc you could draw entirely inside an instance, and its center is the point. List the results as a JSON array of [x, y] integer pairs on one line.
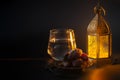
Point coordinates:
[[106, 73]]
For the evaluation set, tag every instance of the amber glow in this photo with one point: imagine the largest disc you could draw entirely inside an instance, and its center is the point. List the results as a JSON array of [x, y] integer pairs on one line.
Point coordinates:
[[102, 49], [110, 72], [99, 35], [71, 39], [97, 75], [52, 40], [92, 46], [72, 43]]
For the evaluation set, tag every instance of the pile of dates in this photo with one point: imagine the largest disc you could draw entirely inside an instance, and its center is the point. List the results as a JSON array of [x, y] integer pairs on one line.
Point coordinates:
[[76, 58]]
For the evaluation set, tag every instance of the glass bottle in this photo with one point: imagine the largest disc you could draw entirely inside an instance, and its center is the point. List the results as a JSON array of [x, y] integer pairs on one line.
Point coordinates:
[[99, 43], [60, 42]]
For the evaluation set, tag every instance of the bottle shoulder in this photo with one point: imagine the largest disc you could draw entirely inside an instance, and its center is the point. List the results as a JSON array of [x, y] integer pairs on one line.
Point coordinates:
[[98, 25]]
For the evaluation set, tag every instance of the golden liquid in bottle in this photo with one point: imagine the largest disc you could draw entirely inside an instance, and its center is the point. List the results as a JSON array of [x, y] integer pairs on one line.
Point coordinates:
[[100, 46]]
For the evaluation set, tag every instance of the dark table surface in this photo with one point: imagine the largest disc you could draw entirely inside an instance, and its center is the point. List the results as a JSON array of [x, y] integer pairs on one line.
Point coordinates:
[[35, 69]]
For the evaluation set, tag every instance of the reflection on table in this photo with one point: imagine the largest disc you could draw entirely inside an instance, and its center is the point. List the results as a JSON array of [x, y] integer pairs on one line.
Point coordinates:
[[110, 72], [35, 69]]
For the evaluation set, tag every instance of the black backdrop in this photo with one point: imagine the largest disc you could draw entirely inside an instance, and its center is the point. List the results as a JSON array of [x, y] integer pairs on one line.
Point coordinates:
[[25, 24]]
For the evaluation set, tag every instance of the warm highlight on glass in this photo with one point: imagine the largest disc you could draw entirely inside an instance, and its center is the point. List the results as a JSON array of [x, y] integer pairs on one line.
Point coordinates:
[[99, 36], [60, 42]]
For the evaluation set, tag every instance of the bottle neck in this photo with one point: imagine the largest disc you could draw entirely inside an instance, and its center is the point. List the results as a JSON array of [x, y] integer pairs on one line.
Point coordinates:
[[99, 10]]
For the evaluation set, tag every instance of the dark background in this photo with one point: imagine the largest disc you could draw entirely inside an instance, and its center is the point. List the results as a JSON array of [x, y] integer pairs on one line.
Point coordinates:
[[25, 24]]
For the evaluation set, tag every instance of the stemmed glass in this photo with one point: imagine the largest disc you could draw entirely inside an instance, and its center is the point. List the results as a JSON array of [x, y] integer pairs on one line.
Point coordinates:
[[61, 41]]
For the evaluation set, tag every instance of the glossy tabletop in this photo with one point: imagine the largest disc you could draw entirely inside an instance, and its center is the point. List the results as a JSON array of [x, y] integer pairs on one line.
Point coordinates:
[[35, 69]]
